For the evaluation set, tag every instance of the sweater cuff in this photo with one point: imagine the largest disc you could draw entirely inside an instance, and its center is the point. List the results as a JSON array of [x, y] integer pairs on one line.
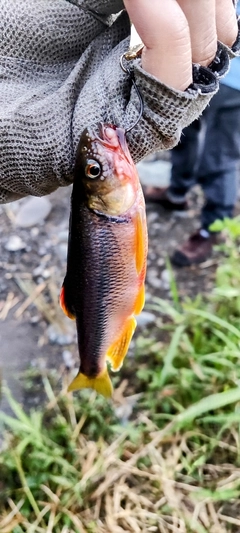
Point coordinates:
[[173, 109], [221, 63], [205, 80]]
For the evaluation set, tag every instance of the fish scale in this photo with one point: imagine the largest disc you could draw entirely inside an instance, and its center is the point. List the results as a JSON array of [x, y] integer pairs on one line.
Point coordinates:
[[96, 306]]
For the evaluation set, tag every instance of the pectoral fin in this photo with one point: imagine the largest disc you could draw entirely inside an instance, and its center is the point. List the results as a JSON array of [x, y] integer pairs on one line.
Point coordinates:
[[64, 304], [100, 383], [119, 348]]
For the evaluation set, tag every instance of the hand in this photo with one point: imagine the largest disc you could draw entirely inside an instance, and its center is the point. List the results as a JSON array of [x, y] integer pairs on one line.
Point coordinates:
[[178, 32]]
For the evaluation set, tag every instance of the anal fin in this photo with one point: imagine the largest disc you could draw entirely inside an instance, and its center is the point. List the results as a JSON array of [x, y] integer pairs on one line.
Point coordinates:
[[140, 301], [101, 383], [118, 350]]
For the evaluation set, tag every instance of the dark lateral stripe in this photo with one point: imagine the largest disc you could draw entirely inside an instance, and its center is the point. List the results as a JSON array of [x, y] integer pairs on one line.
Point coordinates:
[[110, 218]]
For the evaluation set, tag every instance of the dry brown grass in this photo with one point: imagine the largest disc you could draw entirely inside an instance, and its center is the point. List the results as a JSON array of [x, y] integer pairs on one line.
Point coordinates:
[[136, 485]]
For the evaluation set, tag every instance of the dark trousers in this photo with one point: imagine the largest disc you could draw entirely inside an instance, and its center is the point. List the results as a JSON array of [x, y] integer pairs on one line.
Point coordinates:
[[209, 154]]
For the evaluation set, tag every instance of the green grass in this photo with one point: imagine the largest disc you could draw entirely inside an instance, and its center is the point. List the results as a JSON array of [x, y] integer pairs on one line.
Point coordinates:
[[164, 456]]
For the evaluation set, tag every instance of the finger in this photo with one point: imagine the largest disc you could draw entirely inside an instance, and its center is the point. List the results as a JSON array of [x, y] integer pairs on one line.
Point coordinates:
[[164, 31], [201, 17], [227, 28]]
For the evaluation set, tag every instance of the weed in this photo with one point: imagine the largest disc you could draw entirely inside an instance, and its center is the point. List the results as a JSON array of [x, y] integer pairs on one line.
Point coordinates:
[[174, 466]]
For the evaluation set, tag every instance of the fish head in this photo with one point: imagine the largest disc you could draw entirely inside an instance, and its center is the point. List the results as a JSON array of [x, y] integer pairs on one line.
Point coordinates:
[[107, 172]]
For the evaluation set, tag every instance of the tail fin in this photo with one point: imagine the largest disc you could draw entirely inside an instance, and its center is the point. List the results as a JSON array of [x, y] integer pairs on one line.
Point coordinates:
[[100, 383]]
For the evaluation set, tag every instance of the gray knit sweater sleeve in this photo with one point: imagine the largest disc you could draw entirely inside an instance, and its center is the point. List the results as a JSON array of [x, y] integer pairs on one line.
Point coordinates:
[[60, 72]]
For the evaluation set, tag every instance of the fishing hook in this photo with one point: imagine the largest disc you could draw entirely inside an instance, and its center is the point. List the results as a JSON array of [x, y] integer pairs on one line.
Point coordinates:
[[133, 54]]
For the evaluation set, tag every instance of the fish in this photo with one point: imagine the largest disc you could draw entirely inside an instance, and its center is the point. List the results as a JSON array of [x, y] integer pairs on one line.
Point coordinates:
[[103, 288]]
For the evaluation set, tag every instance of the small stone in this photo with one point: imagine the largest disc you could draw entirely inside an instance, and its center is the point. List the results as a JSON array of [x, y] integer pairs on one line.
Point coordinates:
[[145, 318], [124, 411], [68, 359], [46, 273], [15, 244], [61, 251], [160, 261], [37, 271], [63, 236], [155, 283], [165, 278], [12, 268], [153, 272], [152, 256], [152, 217], [35, 319], [34, 233], [156, 227], [148, 296], [181, 214], [42, 251], [33, 211], [56, 336], [153, 278]]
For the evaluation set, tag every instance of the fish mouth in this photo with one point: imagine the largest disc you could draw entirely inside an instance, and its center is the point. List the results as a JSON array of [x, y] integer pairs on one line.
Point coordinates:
[[110, 136]]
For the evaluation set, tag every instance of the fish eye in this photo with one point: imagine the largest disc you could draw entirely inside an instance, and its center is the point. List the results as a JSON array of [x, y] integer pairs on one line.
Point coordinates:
[[93, 169]]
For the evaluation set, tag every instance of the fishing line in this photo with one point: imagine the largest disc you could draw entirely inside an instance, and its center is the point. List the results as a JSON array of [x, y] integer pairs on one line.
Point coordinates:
[[133, 54]]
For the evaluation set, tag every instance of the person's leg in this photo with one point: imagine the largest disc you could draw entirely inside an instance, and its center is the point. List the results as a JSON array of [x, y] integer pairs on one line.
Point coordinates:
[[184, 160], [218, 170], [217, 173]]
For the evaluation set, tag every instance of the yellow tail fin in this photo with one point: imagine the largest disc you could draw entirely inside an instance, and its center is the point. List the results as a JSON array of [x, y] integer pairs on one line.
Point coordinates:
[[100, 383]]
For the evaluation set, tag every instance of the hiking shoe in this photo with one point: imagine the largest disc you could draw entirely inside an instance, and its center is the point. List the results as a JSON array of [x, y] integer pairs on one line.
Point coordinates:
[[197, 249], [161, 196]]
